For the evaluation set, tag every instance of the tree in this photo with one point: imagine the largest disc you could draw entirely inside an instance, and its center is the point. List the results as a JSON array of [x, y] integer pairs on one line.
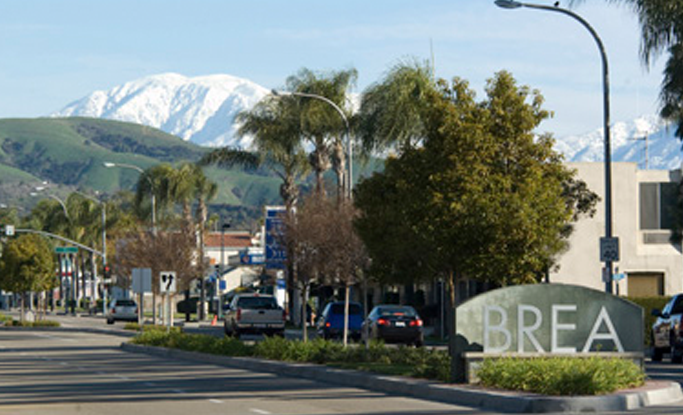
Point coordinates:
[[165, 251], [26, 265], [326, 247], [483, 198], [321, 125], [391, 111]]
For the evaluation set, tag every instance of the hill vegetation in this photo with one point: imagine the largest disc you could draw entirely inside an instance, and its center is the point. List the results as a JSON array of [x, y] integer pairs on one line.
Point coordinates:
[[70, 152]]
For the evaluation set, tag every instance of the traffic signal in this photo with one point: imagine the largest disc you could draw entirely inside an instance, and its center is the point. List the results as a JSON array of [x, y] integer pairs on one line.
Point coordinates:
[[107, 272]]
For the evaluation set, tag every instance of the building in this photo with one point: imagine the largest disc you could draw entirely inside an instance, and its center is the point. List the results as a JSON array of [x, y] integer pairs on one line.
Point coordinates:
[[223, 250], [642, 218]]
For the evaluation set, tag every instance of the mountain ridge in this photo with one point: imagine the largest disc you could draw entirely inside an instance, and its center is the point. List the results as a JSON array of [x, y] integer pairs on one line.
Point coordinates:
[[202, 110]]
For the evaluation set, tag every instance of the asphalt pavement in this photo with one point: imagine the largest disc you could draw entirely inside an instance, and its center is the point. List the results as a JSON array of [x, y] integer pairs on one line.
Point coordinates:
[[662, 389]]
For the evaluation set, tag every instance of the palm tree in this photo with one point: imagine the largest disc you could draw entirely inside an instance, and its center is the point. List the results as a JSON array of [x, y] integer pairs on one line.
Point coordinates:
[[661, 26], [392, 110], [276, 145], [321, 125]]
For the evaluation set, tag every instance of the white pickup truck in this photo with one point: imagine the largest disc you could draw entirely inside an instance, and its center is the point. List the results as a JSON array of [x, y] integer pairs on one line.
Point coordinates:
[[254, 314]]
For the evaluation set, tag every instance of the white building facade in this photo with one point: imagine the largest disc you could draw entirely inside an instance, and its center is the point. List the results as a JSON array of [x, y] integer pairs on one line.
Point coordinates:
[[642, 219]]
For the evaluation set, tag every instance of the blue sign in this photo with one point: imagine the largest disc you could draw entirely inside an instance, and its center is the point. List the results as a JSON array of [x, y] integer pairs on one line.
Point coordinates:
[[222, 285], [275, 251], [248, 258]]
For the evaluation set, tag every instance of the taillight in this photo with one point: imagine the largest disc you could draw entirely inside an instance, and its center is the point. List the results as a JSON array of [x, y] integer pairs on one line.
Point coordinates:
[[284, 315], [239, 314], [383, 322], [416, 323], [113, 311], [327, 324]]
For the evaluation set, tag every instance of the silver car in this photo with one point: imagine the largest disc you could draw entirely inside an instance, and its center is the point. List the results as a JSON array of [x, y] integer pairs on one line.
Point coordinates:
[[122, 309]]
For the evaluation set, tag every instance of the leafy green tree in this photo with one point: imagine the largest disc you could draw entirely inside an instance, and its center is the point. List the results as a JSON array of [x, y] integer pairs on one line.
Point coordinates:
[[27, 264], [482, 198]]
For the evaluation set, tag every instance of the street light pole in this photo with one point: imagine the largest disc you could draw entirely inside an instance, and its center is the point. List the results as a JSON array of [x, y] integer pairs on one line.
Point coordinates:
[[609, 239], [349, 144]]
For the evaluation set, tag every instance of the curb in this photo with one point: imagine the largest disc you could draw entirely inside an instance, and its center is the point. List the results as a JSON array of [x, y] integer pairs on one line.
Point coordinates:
[[653, 393]]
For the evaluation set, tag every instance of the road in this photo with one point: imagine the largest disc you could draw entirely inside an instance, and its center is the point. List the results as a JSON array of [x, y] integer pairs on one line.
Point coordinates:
[[86, 373]]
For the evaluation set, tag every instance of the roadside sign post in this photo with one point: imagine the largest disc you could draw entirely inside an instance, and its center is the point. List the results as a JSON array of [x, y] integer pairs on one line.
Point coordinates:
[[142, 283], [167, 285]]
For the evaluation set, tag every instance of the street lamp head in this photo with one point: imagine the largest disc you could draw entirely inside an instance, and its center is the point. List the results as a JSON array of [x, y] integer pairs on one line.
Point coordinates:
[[508, 4]]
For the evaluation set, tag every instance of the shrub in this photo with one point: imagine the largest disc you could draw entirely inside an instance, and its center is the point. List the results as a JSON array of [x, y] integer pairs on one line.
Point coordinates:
[[648, 303], [39, 323], [561, 375]]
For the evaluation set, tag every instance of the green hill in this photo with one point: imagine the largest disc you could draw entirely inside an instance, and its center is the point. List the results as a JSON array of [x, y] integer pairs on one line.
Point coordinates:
[[70, 153]]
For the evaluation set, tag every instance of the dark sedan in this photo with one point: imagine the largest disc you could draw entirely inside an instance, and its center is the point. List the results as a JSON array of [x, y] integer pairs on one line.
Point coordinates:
[[394, 324]]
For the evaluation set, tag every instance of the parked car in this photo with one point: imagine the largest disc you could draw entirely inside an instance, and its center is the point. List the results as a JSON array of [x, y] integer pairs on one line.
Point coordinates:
[[122, 309], [394, 324], [331, 322], [254, 313], [667, 331]]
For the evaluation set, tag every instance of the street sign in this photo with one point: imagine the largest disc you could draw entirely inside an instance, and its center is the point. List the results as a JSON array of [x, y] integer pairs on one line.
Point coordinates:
[[142, 280], [66, 250], [167, 282], [275, 252], [251, 258], [609, 249], [9, 230]]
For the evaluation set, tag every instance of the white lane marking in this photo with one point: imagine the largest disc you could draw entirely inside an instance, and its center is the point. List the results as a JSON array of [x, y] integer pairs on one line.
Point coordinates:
[[215, 401], [259, 411]]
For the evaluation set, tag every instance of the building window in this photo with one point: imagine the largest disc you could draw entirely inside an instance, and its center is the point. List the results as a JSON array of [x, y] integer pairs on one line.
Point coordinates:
[[657, 204]]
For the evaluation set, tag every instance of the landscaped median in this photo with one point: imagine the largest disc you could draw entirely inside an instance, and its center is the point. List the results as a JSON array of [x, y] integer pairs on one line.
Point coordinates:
[[422, 372]]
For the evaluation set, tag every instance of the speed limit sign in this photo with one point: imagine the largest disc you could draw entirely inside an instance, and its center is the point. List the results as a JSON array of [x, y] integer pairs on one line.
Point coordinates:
[[167, 282]]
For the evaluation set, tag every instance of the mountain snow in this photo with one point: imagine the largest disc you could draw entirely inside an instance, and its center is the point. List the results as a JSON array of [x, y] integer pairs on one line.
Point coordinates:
[[202, 110], [647, 140]]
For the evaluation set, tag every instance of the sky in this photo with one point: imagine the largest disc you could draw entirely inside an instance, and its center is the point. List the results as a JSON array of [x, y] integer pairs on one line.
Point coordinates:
[[53, 52]]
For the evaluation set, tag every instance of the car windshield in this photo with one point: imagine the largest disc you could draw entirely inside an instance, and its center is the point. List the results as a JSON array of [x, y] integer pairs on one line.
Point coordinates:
[[125, 303], [354, 309], [257, 303], [397, 311]]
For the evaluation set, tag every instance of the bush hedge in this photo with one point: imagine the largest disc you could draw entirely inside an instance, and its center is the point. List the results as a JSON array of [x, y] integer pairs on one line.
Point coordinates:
[[414, 362], [561, 375]]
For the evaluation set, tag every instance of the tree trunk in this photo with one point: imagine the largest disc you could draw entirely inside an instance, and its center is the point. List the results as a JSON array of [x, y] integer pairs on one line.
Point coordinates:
[[454, 347], [304, 313], [347, 290]]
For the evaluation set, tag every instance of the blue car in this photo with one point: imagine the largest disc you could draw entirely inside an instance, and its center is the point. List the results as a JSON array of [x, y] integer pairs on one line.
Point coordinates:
[[331, 322]]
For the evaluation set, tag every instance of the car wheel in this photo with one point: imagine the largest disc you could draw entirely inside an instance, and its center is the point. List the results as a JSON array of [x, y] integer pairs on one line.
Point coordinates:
[[676, 354], [110, 321], [419, 343], [226, 329], [657, 354]]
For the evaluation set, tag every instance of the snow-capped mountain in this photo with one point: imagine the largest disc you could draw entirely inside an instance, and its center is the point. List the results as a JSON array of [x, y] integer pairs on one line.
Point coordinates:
[[200, 109], [634, 141]]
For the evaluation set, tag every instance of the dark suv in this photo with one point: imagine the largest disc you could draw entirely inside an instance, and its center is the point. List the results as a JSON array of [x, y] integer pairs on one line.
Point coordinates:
[[667, 332]]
